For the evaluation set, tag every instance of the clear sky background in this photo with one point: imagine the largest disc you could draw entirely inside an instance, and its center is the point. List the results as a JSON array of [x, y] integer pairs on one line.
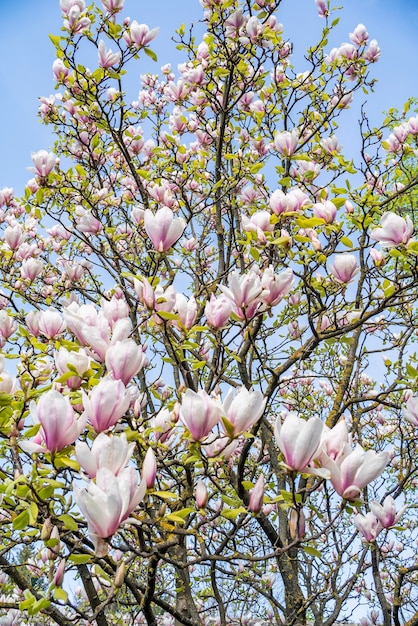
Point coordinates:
[[26, 57]]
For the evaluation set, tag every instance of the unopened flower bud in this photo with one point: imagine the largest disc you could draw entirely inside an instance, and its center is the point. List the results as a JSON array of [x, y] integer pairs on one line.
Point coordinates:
[[201, 494], [256, 499], [120, 575]]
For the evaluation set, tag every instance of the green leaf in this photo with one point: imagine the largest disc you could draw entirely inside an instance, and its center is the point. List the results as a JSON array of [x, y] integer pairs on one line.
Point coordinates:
[[196, 365], [21, 521], [165, 315], [413, 245], [143, 173], [254, 169], [232, 514], [228, 500], [312, 551], [28, 602], [68, 522], [347, 242], [80, 559], [174, 517], [65, 461], [5, 398], [60, 594], [309, 222], [33, 512], [56, 40], [411, 371], [151, 54], [80, 170], [255, 254], [228, 426], [45, 493], [165, 495], [40, 605]]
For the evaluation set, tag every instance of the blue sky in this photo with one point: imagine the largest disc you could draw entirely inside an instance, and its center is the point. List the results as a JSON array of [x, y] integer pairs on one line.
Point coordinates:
[[26, 56]]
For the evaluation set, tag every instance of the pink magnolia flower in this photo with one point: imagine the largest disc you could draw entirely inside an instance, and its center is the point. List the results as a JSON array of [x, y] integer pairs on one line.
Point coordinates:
[[7, 325], [60, 426], [220, 445], [75, 362], [114, 309], [386, 513], [297, 524], [334, 441], [145, 293], [139, 35], [66, 5], [368, 525], [7, 382], [162, 228], [111, 452], [378, 257], [201, 494], [86, 222], [411, 410], [276, 286], [330, 145], [44, 163], [107, 58], [298, 440], [59, 70], [186, 309], [217, 311], [244, 292], [113, 6], [345, 267], [125, 359], [323, 8], [14, 236], [373, 52], [31, 268], [278, 202], [286, 142], [395, 230], [325, 210], [58, 578], [51, 324], [163, 424], [257, 494], [149, 468], [76, 22], [199, 413], [106, 404], [92, 328], [355, 469], [108, 502], [32, 322], [242, 410], [413, 125], [253, 28], [360, 35], [258, 223]]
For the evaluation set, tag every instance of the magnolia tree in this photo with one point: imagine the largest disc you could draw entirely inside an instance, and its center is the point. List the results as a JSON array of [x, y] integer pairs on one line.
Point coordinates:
[[208, 372]]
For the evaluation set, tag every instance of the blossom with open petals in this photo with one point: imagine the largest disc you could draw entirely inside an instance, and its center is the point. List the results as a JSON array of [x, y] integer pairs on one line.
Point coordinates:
[[298, 440], [395, 230], [162, 228], [108, 502]]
